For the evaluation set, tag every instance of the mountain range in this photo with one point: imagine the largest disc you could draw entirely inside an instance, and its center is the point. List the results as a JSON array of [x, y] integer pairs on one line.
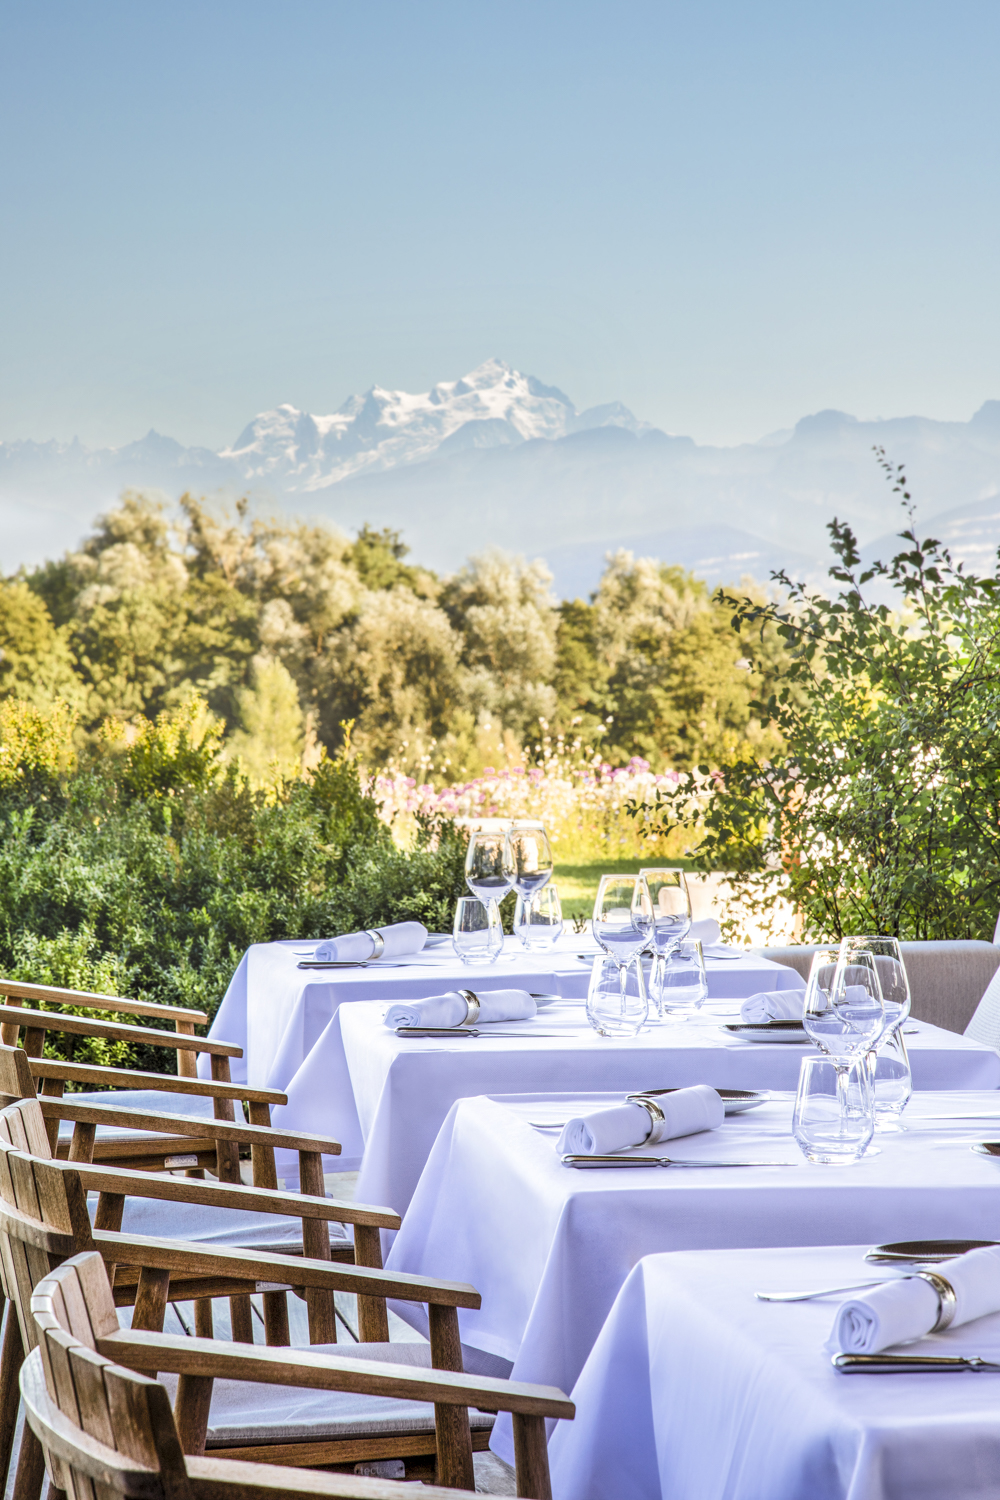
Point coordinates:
[[498, 458]]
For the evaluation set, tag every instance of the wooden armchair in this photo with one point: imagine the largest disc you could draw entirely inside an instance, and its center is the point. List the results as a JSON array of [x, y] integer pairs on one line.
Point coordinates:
[[97, 1420], [44, 994], [43, 1221]]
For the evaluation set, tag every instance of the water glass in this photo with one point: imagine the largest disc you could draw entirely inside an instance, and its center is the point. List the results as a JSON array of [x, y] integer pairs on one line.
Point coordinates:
[[890, 1079], [477, 933], [833, 1122], [616, 1008], [538, 920], [527, 857], [683, 985]]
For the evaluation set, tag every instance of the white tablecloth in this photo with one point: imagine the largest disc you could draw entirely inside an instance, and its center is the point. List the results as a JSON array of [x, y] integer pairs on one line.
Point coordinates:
[[403, 1087], [281, 1016], [549, 1247], [695, 1391]]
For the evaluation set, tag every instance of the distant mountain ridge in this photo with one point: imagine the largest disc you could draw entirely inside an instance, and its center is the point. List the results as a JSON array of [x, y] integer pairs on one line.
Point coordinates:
[[498, 458]]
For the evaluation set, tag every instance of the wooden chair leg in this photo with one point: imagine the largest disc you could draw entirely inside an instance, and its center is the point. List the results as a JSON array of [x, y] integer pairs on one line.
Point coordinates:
[[151, 1300], [316, 1245], [30, 1468], [531, 1457], [227, 1156], [276, 1320], [373, 1316], [11, 1360], [194, 1397], [241, 1318], [204, 1325], [451, 1423]]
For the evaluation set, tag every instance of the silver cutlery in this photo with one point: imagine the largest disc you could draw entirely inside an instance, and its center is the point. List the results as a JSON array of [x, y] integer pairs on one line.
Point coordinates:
[[912, 1364], [548, 1124], [663, 1161], [827, 1291], [335, 963], [982, 1114], [430, 1031]]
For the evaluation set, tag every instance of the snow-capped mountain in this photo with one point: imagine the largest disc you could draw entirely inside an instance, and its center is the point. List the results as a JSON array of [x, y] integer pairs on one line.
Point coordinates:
[[495, 406]]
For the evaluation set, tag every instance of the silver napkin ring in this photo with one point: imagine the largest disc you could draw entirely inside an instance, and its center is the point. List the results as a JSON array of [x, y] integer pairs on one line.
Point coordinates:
[[656, 1118], [471, 1008], [947, 1301], [378, 943]]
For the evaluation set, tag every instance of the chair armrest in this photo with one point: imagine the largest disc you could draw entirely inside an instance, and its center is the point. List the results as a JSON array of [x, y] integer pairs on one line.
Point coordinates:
[[139, 1350], [126, 1078], [218, 1130], [234, 1479], [13, 989], [102, 1179], [112, 1031], [187, 1259]]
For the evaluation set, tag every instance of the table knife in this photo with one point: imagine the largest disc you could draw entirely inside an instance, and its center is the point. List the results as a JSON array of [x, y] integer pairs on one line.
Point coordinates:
[[426, 1031], [348, 963], [664, 1161], [911, 1364]]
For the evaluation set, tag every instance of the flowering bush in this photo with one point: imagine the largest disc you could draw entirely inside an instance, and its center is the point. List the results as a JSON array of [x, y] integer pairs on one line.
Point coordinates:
[[579, 796]]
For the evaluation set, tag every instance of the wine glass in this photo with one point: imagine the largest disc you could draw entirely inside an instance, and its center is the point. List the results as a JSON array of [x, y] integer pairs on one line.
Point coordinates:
[[528, 862], [538, 920], [671, 904], [843, 1013], [889, 1064], [623, 921], [485, 873]]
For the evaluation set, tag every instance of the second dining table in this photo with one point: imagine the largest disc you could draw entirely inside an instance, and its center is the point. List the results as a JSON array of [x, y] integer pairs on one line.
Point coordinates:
[[549, 1247]]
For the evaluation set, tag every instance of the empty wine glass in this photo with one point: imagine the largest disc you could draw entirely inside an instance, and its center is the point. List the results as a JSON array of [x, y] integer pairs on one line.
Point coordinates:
[[485, 874], [538, 920], [623, 920], [528, 862], [477, 933], [888, 1062], [843, 1011], [671, 903]]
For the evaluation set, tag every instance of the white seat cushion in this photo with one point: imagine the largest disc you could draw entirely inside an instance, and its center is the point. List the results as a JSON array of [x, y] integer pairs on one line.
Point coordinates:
[[242, 1413], [149, 1101]]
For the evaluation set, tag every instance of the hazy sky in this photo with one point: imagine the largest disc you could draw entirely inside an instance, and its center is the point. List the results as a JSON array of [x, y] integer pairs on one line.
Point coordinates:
[[725, 215]]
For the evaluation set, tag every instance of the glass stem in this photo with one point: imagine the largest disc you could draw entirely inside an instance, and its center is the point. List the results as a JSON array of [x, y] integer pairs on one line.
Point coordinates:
[[623, 986], [843, 1079]]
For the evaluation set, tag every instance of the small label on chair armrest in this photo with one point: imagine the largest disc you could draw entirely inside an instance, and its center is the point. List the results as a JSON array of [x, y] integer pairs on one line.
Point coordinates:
[[271, 1286], [179, 1161]]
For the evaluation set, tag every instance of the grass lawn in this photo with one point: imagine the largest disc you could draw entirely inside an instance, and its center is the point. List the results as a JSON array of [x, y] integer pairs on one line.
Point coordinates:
[[578, 883]]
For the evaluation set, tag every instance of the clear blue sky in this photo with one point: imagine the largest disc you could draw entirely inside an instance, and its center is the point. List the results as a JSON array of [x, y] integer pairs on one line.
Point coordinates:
[[723, 214]]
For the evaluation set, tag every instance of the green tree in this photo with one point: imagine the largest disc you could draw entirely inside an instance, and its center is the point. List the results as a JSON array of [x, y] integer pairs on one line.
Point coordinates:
[[882, 813]]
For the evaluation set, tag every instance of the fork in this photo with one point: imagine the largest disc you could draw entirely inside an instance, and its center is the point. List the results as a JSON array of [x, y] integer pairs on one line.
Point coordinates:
[[826, 1291]]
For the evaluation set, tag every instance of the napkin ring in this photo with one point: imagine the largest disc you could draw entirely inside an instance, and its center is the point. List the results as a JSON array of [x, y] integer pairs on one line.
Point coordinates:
[[947, 1301], [471, 1008], [656, 1118], [378, 943]]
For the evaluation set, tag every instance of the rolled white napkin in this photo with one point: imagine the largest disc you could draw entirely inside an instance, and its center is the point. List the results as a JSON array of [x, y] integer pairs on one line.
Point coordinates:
[[452, 1010], [774, 1005], [684, 1113], [398, 939], [706, 931], [898, 1311]]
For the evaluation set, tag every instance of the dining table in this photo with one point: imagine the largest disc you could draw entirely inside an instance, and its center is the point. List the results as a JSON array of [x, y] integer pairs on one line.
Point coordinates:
[[549, 1246], [282, 1005], [697, 1390], [403, 1086]]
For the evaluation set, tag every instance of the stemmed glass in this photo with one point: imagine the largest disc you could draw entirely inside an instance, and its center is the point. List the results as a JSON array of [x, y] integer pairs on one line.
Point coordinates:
[[485, 871], [671, 905], [528, 862], [844, 1014], [623, 922], [888, 1062]]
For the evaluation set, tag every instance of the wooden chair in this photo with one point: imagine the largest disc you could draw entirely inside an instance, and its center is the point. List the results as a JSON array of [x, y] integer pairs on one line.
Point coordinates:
[[44, 1221], [44, 994], [96, 1420]]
